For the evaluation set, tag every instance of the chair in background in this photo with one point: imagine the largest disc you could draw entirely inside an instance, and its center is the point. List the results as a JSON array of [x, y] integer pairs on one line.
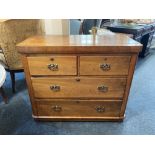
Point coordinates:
[[87, 25], [105, 23], [2, 80], [74, 26], [12, 32]]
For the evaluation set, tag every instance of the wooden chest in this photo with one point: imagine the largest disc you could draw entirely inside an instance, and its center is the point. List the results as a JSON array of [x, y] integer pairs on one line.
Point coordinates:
[[79, 77]]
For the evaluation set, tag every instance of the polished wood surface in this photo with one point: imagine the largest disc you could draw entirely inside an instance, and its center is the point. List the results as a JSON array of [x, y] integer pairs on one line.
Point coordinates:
[[115, 43], [79, 87], [39, 65], [82, 108], [93, 65], [90, 81], [29, 83], [128, 85], [4, 20]]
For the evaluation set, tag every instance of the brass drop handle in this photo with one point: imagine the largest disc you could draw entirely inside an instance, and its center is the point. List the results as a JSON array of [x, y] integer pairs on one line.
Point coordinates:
[[102, 88], [55, 88], [57, 108], [53, 67], [105, 67], [100, 109]]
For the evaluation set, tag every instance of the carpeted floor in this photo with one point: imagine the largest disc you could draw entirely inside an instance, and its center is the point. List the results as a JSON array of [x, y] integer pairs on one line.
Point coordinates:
[[15, 117]]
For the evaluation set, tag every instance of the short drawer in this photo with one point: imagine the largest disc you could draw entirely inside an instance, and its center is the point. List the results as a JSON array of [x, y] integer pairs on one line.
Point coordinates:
[[81, 108], [104, 65], [52, 65], [79, 87]]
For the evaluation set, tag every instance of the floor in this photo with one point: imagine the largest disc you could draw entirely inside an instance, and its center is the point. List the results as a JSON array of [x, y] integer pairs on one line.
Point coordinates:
[[15, 117]]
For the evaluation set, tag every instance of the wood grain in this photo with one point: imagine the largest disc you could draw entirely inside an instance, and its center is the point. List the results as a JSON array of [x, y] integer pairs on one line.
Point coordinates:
[[115, 43], [85, 88], [38, 65], [79, 76], [29, 84], [90, 65], [80, 108], [128, 85]]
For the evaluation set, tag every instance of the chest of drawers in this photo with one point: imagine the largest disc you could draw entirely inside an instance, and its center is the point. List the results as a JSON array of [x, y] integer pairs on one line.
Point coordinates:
[[79, 77]]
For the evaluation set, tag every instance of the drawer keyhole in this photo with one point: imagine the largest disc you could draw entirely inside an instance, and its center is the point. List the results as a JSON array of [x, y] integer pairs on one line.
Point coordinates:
[[78, 79], [52, 59]]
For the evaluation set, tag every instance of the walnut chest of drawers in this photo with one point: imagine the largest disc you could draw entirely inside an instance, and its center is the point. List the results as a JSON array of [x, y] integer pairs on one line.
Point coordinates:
[[79, 77]]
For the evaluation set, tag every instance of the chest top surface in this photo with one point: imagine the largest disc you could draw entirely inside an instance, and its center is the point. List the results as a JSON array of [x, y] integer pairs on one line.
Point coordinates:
[[79, 43]]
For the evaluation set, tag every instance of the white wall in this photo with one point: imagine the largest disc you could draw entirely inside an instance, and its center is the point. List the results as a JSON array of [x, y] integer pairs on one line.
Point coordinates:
[[56, 26]]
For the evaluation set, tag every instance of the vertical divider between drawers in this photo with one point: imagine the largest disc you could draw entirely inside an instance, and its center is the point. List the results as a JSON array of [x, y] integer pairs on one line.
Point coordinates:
[[78, 65]]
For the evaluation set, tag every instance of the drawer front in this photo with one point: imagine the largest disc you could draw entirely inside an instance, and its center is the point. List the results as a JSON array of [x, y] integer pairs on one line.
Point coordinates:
[[79, 108], [79, 87], [104, 65], [52, 65]]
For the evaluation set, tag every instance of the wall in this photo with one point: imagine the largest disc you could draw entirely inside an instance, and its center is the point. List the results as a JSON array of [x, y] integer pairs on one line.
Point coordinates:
[[55, 26]]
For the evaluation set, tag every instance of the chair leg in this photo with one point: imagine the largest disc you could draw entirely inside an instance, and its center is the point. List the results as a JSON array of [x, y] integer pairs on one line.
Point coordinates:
[[3, 95], [12, 74]]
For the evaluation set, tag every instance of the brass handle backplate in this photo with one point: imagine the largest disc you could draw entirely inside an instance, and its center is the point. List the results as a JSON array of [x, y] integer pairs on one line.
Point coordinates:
[[55, 88], [57, 108], [105, 67], [102, 88], [53, 67], [100, 109]]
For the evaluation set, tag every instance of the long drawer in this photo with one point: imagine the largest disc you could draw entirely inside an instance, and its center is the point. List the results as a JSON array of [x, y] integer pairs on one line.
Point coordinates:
[[52, 65], [82, 108], [79, 87], [104, 65]]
